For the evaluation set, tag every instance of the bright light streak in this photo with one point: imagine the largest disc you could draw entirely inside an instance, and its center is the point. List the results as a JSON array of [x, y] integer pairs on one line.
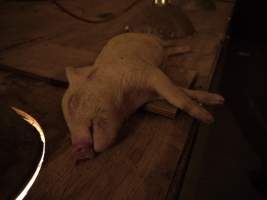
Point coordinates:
[[160, 2], [37, 126]]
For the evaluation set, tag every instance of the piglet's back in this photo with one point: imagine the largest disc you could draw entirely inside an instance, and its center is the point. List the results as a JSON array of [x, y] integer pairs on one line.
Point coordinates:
[[131, 49]]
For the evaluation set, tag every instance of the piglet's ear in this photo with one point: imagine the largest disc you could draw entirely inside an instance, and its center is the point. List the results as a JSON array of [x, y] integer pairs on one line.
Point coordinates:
[[79, 74]]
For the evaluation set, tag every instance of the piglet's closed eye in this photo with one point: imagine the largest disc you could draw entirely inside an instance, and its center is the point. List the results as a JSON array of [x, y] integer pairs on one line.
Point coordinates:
[[73, 105]]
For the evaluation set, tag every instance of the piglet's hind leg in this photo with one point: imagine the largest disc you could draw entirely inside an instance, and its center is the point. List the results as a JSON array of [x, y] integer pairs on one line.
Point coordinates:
[[177, 97]]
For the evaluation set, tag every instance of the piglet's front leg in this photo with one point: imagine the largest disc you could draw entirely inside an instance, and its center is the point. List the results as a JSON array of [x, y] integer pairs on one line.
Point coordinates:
[[184, 98]]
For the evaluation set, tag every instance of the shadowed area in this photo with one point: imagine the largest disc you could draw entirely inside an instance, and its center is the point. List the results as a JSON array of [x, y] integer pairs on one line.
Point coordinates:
[[18, 161]]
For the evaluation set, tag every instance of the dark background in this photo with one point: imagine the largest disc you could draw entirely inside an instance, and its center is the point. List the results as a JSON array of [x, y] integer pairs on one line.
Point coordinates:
[[229, 159]]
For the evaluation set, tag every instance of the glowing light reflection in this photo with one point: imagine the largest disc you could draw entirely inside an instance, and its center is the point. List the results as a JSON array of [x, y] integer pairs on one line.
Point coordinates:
[[160, 2], [37, 126]]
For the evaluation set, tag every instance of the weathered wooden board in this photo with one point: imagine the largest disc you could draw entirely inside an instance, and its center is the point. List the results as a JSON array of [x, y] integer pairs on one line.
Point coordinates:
[[204, 42], [47, 60], [144, 162], [30, 22], [92, 37]]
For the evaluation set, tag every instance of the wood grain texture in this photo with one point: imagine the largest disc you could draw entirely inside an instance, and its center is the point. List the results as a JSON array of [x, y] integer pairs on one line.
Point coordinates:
[[145, 161], [47, 60], [139, 167]]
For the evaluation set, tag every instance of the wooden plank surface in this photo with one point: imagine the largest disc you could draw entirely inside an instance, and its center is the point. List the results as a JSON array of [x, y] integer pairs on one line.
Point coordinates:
[[30, 22], [47, 59], [91, 38], [81, 37], [143, 163]]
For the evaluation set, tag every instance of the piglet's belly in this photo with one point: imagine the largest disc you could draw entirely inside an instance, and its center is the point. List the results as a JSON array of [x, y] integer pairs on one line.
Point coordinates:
[[132, 48]]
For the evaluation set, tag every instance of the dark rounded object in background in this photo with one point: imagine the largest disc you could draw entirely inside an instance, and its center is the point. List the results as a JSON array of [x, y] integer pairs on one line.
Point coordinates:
[[20, 152]]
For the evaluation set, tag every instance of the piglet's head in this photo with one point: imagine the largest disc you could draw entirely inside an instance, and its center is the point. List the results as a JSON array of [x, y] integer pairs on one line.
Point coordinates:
[[89, 114]]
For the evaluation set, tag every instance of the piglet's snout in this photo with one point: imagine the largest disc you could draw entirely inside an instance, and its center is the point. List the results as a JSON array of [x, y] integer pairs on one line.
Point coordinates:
[[83, 152]]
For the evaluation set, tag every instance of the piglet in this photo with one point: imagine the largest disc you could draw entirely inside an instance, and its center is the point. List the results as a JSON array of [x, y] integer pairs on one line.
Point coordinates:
[[126, 75]]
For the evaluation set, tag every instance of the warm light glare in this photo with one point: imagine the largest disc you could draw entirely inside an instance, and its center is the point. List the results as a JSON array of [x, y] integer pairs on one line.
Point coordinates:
[[160, 2], [37, 126]]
